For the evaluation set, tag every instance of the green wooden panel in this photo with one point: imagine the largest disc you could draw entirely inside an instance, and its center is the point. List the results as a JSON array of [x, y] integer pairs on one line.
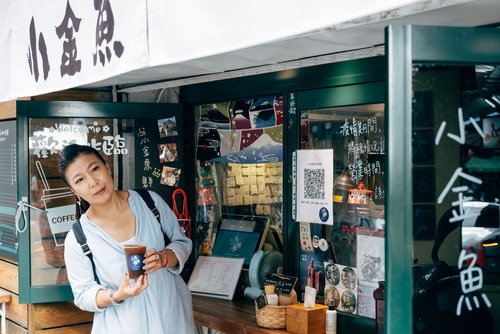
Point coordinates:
[[455, 45], [398, 238], [281, 82], [364, 93]]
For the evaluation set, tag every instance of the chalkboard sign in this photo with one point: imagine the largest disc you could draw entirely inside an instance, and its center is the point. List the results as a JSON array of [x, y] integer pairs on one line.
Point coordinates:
[[8, 195], [160, 159], [283, 284]]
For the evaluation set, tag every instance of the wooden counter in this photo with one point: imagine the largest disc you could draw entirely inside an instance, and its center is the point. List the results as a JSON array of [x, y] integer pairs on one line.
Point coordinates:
[[228, 316]]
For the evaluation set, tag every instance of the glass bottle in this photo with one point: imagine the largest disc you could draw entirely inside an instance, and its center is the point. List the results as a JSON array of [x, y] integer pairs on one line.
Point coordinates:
[[378, 294]]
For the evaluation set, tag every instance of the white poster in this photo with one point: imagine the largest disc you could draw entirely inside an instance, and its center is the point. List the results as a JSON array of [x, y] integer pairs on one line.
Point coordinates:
[[314, 186], [215, 276]]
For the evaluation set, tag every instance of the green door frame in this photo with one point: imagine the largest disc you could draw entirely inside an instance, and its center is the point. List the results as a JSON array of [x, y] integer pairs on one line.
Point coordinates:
[[406, 45]]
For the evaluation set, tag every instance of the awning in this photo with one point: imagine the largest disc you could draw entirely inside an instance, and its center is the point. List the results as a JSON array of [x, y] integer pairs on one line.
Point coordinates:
[[53, 45]]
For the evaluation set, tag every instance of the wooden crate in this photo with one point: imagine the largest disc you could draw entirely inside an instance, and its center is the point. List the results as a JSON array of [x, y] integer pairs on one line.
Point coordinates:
[[302, 320]]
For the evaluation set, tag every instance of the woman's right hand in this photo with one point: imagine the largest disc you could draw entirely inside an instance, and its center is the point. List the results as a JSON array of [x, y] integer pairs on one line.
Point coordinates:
[[125, 290]]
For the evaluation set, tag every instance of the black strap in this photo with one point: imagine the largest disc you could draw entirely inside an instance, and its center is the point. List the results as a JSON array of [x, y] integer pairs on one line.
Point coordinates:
[[146, 196], [82, 240]]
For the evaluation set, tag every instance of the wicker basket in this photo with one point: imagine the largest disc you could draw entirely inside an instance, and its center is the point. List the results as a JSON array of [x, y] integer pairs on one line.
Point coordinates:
[[270, 316]]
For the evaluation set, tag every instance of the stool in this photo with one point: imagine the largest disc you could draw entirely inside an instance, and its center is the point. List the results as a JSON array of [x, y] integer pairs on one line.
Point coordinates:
[[4, 299]]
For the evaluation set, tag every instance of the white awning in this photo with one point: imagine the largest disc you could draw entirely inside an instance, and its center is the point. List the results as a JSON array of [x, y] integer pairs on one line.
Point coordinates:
[[53, 45]]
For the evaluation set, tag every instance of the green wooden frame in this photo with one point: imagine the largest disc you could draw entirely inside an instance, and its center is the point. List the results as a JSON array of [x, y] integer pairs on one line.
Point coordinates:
[[406, 45], [50, 109]]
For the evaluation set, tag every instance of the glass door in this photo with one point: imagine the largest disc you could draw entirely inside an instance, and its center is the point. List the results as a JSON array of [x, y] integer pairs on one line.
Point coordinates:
[[443, 180], [345, 261], [141, 143]]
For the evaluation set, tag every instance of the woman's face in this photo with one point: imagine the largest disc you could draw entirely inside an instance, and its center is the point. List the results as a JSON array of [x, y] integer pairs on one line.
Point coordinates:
[[90, 178]]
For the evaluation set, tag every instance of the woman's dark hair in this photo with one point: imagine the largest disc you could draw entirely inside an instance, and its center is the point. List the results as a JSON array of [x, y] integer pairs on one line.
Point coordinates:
[[68, 155]]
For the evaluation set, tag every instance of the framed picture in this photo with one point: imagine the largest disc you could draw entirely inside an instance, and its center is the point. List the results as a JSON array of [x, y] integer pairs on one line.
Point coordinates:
[[167, 127]]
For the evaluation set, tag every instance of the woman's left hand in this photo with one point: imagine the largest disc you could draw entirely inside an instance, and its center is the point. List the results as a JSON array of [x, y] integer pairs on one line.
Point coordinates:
[[152, 260]]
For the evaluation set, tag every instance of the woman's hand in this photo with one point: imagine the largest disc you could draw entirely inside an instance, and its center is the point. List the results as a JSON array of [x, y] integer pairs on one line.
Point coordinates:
[[153, 260], [125, 290], [131, 290]]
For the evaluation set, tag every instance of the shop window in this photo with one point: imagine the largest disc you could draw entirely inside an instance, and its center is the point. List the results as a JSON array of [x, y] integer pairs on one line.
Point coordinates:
[[239, 176], [456, 173], [345, 261]]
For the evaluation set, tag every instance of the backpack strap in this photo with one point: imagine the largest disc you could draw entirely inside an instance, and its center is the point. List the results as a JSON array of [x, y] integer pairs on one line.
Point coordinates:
[[82, 240], [146, 196]]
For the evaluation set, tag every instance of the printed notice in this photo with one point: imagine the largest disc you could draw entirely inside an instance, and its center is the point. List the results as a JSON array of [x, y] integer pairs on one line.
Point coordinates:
[[215, 276], [314, 191]]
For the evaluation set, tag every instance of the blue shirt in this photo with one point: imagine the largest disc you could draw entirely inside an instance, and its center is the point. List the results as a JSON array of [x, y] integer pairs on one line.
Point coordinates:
[[164, 306]]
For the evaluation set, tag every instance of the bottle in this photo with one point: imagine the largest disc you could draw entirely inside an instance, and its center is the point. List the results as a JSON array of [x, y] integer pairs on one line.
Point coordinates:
[[378, 294], [331, 319]]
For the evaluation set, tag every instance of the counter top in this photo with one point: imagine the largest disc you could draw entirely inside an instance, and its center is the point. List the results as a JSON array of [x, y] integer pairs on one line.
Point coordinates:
[[228, 316]]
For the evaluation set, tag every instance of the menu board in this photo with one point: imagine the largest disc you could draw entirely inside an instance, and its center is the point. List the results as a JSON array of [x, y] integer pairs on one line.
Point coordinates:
[[8, 195], [159, 155]]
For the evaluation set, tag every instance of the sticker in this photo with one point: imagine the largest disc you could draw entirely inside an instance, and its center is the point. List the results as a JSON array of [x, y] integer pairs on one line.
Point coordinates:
[[323, 244], [135, 262], [324, 214], [315, 241]]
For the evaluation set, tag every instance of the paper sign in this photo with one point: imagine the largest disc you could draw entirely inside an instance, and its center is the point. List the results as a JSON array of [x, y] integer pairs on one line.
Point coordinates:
[[215, 276], [314, 172]]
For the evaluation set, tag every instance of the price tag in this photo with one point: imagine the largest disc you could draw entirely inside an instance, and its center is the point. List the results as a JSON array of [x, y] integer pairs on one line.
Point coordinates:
[[261, 301], [283, 284]]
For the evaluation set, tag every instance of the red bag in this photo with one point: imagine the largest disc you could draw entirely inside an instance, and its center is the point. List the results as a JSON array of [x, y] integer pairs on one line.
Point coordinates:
[[183, 217]]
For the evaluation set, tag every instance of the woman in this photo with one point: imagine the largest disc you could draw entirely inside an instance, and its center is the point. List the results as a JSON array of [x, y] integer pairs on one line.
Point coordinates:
[[159, 301]]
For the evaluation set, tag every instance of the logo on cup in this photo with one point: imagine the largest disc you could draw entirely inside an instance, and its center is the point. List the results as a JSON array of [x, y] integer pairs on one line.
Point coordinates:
[[135, 262]]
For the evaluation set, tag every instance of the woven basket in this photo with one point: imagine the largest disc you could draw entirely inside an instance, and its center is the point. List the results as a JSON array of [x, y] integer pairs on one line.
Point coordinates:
[[270, 316]]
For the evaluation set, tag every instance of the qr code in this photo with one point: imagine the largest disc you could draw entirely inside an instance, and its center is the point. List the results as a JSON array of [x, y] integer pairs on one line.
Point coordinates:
[[314, 183]]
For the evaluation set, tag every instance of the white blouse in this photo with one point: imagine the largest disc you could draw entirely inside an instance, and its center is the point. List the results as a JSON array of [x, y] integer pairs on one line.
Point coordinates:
[[164, 307]]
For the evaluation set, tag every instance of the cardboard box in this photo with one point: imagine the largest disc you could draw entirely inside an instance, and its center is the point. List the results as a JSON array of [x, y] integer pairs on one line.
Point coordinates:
[[301, 320]]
